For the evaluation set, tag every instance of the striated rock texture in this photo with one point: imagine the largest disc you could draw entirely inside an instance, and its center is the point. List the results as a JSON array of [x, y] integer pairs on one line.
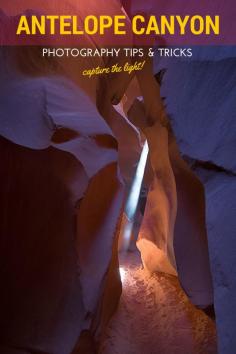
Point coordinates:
[[61, 201], [220, 189], [200, 99]]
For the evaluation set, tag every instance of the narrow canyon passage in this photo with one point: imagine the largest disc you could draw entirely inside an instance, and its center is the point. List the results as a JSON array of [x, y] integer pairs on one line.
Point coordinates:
[[155, 316]]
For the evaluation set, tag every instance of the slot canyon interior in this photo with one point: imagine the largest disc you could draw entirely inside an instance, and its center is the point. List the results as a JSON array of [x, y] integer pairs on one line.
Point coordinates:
[[117, 201]]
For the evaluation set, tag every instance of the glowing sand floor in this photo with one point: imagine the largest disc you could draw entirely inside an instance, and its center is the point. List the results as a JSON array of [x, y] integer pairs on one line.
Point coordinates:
[[155, 316]]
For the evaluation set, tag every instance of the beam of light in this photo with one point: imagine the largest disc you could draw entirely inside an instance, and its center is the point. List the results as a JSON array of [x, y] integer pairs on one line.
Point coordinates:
[[133, 198], [122, 274]]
